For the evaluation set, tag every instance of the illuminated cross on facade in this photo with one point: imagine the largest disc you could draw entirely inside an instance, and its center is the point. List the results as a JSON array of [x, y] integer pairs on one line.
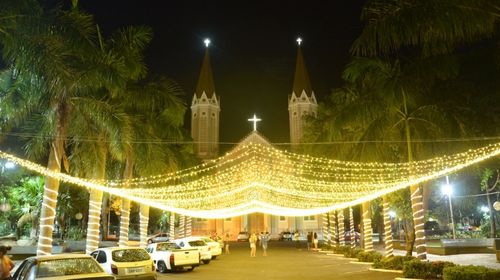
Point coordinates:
[[254, 120], [299, 40]]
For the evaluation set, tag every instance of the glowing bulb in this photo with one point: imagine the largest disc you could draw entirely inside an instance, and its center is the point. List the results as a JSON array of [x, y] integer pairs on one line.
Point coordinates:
[[207, 42], [9, 165], [392, 214], [447, 189], [485, 209]]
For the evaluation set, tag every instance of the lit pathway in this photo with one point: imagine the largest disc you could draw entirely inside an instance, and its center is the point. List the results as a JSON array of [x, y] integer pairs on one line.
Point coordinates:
[[283, 262]]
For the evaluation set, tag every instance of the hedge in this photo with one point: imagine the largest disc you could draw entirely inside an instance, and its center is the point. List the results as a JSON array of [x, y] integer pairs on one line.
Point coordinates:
[[425, 270], [369, 256], [394, 262], [470, 272]]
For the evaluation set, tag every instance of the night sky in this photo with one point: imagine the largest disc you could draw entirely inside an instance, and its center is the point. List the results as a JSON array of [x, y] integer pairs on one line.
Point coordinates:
[[253, 51]]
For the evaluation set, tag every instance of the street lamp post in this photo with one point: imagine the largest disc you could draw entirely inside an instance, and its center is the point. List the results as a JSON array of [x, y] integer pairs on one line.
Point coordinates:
[[448, 190]]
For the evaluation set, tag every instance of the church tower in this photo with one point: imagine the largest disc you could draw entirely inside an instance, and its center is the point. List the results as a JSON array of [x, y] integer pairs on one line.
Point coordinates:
[[205, 109], [302, 101]]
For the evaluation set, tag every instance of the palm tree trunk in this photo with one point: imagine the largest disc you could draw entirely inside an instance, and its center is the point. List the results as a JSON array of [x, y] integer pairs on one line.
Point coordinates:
[[340, 216], [49, 202], [95, 204], [172, 225], [387, 229], [334, 229], [326, 227], [351, 228], [144, 221], [125, 207], [367, 228], [182, 231], [416, 196], [189, 225]]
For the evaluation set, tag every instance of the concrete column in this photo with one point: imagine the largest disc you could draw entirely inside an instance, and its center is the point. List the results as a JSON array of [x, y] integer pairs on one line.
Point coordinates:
[[367, 228], [124, 222], [144, 221], [387, 229]]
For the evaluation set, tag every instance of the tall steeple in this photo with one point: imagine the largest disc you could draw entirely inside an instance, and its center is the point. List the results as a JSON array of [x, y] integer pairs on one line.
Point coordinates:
[[302, 101], [205, 109]]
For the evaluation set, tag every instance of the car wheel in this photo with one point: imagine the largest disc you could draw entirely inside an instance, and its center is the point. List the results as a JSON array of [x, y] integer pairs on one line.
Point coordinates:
[[150, 241], [206, 261], [214, 257], [162, 267], [191, 269]]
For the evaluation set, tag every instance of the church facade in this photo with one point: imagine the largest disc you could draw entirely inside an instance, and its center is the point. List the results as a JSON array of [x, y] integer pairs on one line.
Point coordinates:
[[205, 108]]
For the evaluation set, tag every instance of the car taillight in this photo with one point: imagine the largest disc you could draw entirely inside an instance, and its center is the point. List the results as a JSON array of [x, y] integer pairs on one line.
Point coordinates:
[[114, 269], [172, 260]]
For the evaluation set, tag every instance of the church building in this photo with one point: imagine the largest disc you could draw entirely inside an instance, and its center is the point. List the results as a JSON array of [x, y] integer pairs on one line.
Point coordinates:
[[205, 109]]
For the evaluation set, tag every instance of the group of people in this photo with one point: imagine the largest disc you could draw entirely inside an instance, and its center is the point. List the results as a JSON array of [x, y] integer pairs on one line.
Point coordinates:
[[312, 240], [6, 265], [264, 240]]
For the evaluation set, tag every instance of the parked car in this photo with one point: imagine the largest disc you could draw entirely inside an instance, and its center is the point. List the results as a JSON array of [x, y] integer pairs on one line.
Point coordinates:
[[286, 236], [159, 237], [243, 236], [126, 262], [170, 256], [62, 266], [347, 236], [214, 246], [196, 242]]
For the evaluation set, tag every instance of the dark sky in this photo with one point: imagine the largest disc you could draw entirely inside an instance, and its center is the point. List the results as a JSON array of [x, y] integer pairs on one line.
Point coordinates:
[[253, 50]]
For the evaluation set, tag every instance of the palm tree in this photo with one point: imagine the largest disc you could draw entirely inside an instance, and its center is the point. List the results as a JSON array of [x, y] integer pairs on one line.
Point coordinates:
[[157, 111], [432, 26], [55, 69]]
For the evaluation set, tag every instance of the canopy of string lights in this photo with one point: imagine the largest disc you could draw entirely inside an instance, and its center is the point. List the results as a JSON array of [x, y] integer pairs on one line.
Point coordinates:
[[259, 178]]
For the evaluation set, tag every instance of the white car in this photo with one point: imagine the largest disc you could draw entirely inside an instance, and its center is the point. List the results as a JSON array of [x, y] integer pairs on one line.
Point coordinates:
[[159, 237], [126, 262], [196, 242], [62, 266], [169, 256], [214, 246], [243, 236]]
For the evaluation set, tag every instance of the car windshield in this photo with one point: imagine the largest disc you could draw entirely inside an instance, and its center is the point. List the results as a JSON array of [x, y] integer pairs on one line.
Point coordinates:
[[62, 267], [206, 239], [167, 247], [197, 243], [130, 255]]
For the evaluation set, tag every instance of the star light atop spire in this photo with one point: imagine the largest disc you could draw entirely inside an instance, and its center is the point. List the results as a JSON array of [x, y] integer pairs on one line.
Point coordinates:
[[299, 40], [207, 42], [254, 120]]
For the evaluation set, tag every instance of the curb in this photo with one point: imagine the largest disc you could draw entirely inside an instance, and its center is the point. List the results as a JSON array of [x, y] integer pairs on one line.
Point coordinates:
[[335, 255], [401, 278], [356, 262], [387, 270]]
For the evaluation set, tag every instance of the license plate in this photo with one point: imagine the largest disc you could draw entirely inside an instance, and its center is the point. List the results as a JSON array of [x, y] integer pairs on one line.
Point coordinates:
[[135, 270]]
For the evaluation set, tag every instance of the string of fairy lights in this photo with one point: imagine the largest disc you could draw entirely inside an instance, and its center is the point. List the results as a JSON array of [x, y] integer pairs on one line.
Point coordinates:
[[261, 178]]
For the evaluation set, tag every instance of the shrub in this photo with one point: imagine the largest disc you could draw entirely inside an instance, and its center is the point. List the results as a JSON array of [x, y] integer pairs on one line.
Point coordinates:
[[424, 270], [341, 249], [369, 256], [352, 253], [470, 272], [394, 262]]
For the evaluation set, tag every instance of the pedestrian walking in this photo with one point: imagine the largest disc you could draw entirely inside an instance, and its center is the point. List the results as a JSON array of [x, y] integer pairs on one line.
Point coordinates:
[[253, 244], [264, 239], [226, 243], [309, 240], [6, 265], [296, 238], [315, 240]]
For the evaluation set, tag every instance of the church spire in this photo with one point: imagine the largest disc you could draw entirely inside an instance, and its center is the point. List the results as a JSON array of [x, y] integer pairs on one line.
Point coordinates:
[[301, 102], [206, 80], [205, 111], [301, 81]]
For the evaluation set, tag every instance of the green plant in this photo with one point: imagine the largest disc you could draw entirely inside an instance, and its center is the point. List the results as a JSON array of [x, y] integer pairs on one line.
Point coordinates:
[[395, 262], [369, 256], [352, 253], [424, 270], [470, 272], [75, 233]]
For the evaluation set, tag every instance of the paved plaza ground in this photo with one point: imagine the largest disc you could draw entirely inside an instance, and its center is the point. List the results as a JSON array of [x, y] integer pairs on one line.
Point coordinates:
[[284, 261]]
